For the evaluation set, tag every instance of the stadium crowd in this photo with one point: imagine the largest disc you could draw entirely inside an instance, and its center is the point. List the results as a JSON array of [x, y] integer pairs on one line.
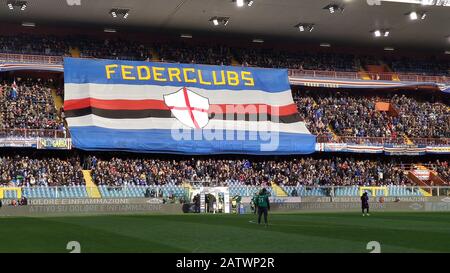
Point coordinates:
[[116, 48], [182, 53], [38, 170], [431, 66], [357, 116], [28, 104], [306, 171], [422, 119], [272, 58], [112, 49], [23, 170], [443, 170], [34, 44]]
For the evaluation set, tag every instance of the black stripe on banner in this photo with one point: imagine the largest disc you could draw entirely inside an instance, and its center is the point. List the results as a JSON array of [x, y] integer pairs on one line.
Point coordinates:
[[119, 114], [158, 113]]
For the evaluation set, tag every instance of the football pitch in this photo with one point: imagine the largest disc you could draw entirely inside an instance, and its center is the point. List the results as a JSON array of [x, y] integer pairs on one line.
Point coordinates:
[[303, 232]]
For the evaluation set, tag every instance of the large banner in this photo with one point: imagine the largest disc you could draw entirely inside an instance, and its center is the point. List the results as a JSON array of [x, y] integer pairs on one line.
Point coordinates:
[[181, 108]]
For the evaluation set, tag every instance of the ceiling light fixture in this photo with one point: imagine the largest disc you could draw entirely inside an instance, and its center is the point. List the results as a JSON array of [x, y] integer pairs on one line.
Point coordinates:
[[413, 15], [332, 8], [28, 24], [241, 3], [381, 32], [304, 27], [219, 20], [118, 12], [22, 5], [109, 30]]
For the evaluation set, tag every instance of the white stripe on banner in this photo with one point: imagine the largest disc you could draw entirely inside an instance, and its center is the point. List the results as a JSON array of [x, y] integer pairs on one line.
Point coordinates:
[[146, 92], [172, 123]]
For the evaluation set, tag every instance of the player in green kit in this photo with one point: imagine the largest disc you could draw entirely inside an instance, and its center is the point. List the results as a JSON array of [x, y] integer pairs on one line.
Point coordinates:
[[263, 205]]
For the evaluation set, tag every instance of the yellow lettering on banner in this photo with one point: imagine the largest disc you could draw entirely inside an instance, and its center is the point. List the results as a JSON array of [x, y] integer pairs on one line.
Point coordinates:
[[109, 70], [157, 75], [174, 73], [248, 79], [233, 78], [186, 79], [215, 82], [126, 72], [200, 78], [147, 71]]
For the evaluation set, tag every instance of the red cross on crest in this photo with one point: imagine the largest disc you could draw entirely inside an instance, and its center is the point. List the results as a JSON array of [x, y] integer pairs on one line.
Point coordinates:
[[188, 107]]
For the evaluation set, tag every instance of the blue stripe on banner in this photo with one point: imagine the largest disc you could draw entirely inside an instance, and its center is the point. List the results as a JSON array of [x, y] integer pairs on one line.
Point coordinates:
[[163, 141], [208, 77]]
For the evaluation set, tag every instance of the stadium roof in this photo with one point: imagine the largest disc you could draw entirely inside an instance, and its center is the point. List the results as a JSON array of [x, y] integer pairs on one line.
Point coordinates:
[[265, 19]]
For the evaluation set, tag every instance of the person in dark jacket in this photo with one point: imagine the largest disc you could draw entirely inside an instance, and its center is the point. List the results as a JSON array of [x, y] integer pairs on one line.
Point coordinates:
[[263, 205], [365, 204]]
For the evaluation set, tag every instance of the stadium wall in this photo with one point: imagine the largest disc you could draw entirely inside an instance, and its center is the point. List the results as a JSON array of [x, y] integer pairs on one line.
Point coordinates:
[[74, 207]]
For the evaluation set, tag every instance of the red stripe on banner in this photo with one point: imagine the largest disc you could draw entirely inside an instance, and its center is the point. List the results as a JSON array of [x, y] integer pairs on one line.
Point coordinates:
[[114, 104], [186, 108], [159, 104], [188, 105]]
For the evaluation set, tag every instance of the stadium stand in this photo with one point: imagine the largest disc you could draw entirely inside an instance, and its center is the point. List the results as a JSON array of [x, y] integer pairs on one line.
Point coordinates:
[[170, 51], [179, 52], [272, 58], [307, 171], [21, 43], [443, 169], [351, 115], [47, 176], [45, 171], [28, 104]]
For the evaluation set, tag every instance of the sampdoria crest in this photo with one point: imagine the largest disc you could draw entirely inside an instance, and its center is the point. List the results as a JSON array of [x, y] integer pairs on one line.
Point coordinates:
[[188, 107]]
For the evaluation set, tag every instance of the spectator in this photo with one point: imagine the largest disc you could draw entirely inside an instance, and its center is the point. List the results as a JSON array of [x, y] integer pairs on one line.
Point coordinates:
[[30, 107], [35, 171], [306, 171]]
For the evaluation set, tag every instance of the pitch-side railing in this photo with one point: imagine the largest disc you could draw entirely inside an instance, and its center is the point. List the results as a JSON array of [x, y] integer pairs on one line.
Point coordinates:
[[32, 133], [68, 192], [407, 77]]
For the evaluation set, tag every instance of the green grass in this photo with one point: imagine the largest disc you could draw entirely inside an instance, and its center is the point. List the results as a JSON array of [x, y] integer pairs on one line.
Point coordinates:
[[319, 232]]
